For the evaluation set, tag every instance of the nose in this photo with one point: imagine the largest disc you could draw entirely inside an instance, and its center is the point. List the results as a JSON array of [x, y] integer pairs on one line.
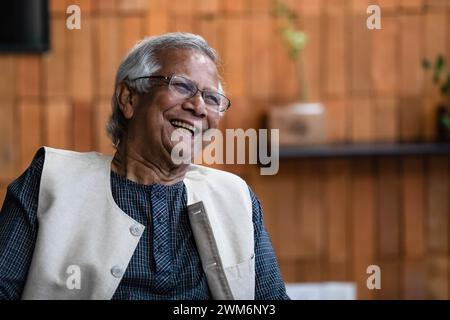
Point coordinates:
[[196, 105]]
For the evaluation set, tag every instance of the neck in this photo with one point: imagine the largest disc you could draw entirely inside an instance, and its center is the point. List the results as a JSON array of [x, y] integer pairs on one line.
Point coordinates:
[[148, 169]]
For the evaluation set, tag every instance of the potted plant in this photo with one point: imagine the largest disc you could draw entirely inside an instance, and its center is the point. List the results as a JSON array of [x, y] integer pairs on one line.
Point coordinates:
[[441, 78], [301, 122]]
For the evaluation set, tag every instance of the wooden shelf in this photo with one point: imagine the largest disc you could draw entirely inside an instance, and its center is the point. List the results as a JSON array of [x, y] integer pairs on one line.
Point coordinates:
[[365, 150]]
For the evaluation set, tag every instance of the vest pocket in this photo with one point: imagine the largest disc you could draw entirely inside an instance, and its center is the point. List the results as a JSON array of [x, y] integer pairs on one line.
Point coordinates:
[[241, 278]]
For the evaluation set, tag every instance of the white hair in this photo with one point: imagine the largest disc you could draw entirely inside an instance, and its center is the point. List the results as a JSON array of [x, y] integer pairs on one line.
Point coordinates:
[[142, 60]]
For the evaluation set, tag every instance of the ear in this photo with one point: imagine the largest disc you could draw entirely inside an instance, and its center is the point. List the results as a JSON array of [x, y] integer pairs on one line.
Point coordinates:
[[127, 100]]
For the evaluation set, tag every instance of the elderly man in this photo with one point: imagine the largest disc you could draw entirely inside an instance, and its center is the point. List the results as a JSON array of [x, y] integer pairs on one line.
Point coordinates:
[[137, 225]]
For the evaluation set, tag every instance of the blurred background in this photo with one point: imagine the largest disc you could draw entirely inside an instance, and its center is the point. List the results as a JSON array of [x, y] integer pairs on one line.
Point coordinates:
[[378, 191]]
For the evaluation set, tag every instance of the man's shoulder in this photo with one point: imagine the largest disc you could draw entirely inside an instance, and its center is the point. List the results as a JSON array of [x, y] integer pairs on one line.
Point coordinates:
[[71, 153], [74, 157]]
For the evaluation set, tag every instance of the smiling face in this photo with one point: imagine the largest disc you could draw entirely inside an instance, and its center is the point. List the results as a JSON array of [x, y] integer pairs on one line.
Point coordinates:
[[156, 115]]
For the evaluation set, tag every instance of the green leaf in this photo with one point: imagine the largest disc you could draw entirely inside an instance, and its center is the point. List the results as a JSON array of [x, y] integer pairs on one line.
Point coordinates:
[[294, 39], [439, 64], [281, 10], [445, 120], [426, 64], [445, 88]]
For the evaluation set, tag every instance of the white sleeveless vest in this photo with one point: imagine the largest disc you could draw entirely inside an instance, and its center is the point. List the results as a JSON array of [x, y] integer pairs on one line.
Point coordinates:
[[83, 233]]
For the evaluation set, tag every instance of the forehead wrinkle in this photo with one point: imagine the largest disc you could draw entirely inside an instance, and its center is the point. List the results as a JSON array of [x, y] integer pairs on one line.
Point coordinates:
[[181, 62]]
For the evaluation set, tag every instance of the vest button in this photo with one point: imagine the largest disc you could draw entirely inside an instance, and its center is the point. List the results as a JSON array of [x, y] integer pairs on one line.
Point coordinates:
[[136, 230], [162, 219], [117, 272]]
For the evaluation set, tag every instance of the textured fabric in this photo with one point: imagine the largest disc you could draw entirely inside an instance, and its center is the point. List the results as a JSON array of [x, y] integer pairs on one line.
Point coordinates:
[[165, 265]]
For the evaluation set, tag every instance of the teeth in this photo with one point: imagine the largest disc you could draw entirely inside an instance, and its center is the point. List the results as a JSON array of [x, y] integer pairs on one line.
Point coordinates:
[[183, 125]]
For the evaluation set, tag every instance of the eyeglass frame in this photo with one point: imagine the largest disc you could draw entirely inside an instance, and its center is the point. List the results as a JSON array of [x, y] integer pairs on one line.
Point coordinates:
[[168, 79]]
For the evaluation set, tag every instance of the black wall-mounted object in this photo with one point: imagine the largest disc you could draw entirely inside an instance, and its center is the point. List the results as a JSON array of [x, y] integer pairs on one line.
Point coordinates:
[[24, 26]]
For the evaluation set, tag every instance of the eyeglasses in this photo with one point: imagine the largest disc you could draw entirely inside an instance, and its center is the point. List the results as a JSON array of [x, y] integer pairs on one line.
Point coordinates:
[[185, 88]]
